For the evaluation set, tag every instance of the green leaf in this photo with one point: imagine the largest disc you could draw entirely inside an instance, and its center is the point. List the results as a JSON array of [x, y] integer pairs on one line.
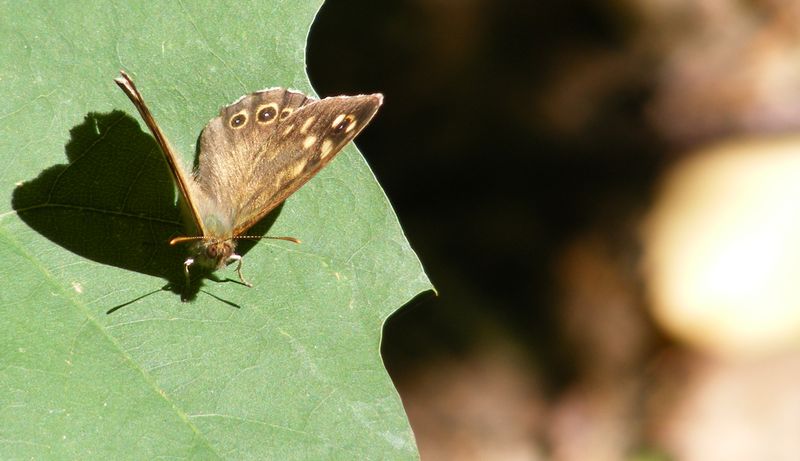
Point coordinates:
[[288, 369]]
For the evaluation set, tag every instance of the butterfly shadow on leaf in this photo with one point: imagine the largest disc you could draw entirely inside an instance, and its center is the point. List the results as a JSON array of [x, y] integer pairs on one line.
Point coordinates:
[[113, 202]]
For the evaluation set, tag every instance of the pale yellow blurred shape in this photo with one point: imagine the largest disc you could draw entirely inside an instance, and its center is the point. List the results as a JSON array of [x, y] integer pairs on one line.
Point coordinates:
[[722, 248]]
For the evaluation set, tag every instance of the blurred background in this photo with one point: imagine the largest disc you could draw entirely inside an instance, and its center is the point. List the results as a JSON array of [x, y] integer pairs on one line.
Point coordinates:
[[605, 195]]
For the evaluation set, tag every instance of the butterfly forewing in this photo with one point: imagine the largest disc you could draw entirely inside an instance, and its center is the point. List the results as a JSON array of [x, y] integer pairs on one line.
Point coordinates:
[[262, 148], [189, 203]]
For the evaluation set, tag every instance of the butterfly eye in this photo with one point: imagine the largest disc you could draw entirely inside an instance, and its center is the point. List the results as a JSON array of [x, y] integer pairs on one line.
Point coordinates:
[[211, 251], [238, 120], [267, 114]]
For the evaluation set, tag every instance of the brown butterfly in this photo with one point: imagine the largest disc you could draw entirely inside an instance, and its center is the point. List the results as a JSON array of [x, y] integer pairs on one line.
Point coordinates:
[[255, 154]]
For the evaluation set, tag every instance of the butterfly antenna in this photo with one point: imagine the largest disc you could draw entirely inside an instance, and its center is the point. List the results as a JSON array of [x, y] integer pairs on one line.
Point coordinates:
[[254, 237], [258, 237], [185, 239]]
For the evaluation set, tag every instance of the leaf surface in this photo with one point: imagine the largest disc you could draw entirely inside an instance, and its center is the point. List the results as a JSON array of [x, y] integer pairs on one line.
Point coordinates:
[[288, 369]]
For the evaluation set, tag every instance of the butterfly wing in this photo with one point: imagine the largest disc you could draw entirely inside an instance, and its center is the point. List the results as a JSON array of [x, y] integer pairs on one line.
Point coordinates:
[[263, 147], [174, 164]]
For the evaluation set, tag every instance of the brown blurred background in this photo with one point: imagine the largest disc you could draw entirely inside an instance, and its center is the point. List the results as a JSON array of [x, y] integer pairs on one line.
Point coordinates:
[[605, 195]]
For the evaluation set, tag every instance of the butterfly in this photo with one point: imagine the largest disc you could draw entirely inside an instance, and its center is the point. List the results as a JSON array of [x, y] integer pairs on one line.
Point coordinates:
[[255, 154]]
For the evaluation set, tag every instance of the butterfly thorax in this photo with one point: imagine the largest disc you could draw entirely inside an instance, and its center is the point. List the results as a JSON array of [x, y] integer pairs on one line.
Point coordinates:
[[213, 253]]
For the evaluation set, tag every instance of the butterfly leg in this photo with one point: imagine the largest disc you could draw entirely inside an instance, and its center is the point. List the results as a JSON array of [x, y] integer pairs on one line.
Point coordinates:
[[186, 264], [235, 257]]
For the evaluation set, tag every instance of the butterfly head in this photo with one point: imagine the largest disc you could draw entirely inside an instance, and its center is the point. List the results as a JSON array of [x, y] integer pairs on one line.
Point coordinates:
[[210, 252], [213, 253]]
